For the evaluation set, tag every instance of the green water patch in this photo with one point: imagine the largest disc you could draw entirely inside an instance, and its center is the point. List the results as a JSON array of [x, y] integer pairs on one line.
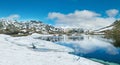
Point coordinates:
[[104, 62]]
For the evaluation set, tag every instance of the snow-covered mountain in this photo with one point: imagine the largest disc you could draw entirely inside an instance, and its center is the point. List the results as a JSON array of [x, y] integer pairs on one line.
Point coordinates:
[[32, 26]]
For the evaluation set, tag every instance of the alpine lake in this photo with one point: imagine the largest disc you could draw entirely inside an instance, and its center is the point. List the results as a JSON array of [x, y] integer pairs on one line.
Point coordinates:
[[93, 47]]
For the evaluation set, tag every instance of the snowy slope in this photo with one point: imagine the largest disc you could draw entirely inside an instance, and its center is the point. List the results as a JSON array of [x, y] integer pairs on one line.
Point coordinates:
[[40, 44], [15, 51]]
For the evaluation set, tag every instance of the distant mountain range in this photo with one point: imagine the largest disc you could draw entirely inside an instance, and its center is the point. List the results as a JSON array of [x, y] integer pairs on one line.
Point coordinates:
[[28, 27]]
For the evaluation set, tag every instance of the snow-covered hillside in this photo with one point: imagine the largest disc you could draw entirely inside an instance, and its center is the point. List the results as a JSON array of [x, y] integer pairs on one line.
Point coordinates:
[[18, 51]]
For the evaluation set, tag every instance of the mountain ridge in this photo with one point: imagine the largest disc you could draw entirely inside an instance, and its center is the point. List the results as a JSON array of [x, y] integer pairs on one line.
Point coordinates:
[[27, 27]]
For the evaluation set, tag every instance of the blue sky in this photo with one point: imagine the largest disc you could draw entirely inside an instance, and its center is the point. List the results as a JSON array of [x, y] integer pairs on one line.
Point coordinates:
[[39, 9]]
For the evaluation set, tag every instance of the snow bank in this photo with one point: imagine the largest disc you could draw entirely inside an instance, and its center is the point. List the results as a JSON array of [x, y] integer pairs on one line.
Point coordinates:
[[40, 44], [11, 53], [36, 35]]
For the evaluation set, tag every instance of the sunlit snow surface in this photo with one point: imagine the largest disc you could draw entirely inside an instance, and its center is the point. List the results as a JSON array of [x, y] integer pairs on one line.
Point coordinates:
[[18, 51]]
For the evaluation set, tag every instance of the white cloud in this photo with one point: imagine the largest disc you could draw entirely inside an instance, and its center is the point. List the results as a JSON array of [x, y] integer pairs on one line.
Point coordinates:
[[85, 19], [112, 12], [11, 17], [14, 16], [86, 47]]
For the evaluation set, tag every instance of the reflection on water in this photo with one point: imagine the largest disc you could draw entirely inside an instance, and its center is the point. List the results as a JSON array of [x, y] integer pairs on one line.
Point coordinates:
[[115, 38], [89, 46]]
